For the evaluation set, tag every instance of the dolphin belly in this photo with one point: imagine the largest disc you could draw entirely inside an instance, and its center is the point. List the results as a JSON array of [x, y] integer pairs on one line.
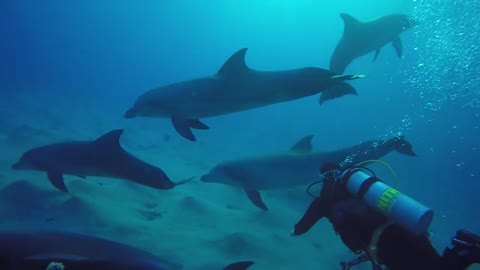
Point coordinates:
[[202, 98], [279, 172], [282, 178], [85, 160], [214, 96], [229, 95]]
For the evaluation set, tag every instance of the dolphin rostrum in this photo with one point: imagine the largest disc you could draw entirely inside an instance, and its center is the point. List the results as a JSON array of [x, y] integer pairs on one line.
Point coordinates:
[[299, 166], [360, 38], [235, 87], [102, 157], [26, 250]]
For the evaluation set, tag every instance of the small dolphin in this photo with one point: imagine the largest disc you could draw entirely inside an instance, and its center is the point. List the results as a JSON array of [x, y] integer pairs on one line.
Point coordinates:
[[298, 167], [101, 157], [236, 87], [27, 250], [360, 38]]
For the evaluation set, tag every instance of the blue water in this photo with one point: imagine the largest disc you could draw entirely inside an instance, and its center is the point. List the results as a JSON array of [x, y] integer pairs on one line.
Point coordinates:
[[69, 70]]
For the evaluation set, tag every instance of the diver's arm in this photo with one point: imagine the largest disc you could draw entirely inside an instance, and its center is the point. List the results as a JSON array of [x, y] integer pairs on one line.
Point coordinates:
[[316, 210]]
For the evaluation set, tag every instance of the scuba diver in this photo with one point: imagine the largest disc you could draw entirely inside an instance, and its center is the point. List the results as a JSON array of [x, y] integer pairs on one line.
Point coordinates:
[[382, 225]]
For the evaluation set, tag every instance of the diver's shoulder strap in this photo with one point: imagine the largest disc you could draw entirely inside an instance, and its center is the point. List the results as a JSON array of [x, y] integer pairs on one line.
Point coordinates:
[[372, 247]]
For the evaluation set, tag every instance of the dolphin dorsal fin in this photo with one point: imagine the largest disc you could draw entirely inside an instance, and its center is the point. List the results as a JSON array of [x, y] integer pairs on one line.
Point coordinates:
[[110, 139], [235, 64], [350, 23], [303, 146]]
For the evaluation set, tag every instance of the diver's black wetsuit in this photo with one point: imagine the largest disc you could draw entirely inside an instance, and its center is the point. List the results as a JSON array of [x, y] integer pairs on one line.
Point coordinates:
[[358, 224]]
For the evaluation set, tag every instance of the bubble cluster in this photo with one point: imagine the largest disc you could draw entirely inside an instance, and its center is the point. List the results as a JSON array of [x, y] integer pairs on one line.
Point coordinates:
[[447, 54], [445, 66], [362, 152]]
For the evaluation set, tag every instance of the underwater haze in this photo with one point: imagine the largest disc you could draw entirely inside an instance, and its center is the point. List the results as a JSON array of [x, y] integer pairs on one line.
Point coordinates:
[[69, 70]]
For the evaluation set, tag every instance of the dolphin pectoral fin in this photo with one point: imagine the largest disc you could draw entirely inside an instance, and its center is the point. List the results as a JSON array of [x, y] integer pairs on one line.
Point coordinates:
[[56, 178], [323, 97], [239, 265], [397, 45], [81, 176], [336, 91], [256, 198], [182, 126], [197, 124], [377, 52]]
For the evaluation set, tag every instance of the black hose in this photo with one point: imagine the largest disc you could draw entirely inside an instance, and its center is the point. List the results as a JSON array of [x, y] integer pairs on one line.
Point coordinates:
[[311, 185]]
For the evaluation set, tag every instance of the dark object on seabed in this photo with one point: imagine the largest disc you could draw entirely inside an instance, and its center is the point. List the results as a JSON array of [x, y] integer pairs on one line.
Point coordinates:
[[363, 257], [57, 250]]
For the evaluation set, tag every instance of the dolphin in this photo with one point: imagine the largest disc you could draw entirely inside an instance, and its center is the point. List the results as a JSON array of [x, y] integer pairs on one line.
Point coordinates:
[[26, 250], [299, 166], [360, 38], [102, 157], [235, 87]]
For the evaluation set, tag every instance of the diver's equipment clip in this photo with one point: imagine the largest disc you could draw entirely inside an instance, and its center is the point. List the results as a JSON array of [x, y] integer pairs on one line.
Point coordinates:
[[466, 239], [363, 257]]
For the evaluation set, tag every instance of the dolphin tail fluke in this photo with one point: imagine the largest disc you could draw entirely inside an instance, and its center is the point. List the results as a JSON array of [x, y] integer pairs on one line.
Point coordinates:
[[56, 178], [397, 45], [183, 181], [256, 198], [336, 91], [239, 265]]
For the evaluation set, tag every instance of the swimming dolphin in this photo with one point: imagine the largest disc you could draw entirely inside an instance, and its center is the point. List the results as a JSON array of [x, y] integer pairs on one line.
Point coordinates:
[[299, 166], [235, 87], [360, 38], [101, 157], [28, 250]]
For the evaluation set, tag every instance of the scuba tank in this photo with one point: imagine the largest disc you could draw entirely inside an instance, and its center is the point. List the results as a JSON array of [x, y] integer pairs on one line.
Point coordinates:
[[398, 207]]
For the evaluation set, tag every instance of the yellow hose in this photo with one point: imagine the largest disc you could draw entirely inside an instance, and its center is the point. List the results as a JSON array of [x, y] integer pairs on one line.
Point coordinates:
[[395, 177]]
